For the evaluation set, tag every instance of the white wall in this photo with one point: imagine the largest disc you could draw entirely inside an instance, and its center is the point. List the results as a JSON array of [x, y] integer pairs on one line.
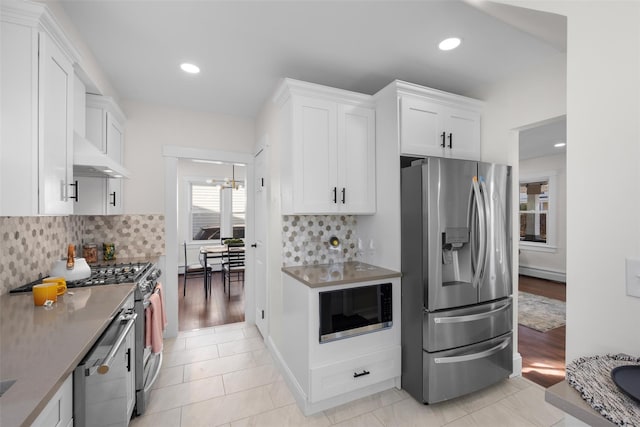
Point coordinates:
[[556, 261], [603, 158], [150, 127]]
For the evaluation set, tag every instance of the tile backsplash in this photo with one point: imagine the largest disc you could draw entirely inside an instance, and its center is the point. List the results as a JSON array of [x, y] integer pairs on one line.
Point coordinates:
[[305, 239], [30, 245]]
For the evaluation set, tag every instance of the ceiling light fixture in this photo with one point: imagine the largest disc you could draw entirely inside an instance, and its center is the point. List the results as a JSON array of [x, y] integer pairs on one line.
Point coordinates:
[[190, 68], [559, 144], [213, 162], [450, 43]]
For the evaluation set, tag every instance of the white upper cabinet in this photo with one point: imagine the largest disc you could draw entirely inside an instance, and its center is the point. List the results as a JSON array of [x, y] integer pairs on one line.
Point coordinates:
[[36, 161], [434, 123], [328, 152], [104, 129]]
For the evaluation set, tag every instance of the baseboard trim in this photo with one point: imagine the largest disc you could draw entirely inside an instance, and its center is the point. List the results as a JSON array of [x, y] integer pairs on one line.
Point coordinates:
[[540, 273], [517, 365]]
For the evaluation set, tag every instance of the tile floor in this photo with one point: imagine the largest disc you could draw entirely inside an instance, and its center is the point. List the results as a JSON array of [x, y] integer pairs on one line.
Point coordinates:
[[225, 376]]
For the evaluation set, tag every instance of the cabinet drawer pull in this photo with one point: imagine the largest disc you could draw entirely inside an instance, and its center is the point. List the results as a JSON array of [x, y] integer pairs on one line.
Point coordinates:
[[335, 194], [450, 140], [344, 197], [113, 201], [443, 136], [361, 374]]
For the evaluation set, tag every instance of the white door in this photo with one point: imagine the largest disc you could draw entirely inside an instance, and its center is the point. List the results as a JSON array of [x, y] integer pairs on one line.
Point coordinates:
[[260, 230]]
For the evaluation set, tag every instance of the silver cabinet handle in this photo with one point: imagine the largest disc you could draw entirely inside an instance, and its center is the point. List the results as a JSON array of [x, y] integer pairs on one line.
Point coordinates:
[[471, 317], [474, 356], [105, 365]]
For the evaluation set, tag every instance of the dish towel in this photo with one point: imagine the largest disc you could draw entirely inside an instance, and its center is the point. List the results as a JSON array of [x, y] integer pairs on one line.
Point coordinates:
[[156, 320]]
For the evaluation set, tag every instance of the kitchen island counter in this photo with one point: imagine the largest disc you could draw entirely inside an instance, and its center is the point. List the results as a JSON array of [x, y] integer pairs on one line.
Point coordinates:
[[321, 275], [40, 347]]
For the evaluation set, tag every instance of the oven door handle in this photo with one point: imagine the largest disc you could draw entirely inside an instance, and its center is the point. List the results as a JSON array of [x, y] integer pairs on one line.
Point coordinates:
[[105, 365]]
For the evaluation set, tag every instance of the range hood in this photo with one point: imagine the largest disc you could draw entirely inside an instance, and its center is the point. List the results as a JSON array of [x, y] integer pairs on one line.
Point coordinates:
[[89, 161]]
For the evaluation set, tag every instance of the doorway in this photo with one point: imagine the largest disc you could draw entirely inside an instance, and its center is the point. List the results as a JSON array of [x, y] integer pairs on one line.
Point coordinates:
[[542, 251], [172, 155], [212, 202]]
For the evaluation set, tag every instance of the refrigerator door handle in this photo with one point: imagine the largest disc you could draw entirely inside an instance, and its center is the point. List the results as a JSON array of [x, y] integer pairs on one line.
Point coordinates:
[[471, 317], [474, 356], [483, 232], [487, 214]]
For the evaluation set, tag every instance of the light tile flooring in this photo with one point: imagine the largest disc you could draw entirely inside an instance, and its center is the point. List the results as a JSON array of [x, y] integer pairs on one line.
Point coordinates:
[[225, 376]]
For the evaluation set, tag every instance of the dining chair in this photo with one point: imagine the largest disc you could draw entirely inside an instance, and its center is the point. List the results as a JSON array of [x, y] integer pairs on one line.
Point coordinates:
[[194, 270], [232, 268]]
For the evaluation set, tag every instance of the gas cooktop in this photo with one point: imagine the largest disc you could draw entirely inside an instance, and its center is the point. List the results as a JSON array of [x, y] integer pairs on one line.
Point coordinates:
[[107, 274]]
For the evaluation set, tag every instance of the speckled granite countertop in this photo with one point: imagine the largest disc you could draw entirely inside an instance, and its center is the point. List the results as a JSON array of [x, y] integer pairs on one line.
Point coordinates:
[[40, 347], [317, 276]]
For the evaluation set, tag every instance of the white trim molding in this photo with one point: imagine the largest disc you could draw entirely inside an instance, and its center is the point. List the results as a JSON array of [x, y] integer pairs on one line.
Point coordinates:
[[541, 273]]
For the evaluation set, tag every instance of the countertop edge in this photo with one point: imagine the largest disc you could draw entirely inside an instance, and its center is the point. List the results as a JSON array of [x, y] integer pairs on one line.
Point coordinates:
[[567, 399], [38, 408], [381, 274]]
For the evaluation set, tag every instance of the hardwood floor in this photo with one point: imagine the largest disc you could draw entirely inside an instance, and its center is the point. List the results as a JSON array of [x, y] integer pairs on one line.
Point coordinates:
[[543, 353], [195, 312]]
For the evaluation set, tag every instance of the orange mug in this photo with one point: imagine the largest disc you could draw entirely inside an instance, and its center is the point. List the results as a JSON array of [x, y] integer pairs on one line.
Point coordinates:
[[59, 281], [45, 291]]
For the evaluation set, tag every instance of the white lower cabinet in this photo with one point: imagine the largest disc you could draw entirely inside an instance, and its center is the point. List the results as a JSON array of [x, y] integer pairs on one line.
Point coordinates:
[[337, 378], [323, 375], [59, 410]]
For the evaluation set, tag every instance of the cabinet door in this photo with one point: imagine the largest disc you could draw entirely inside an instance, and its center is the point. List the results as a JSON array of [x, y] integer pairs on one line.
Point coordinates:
[[56, 129], [91, 196], [421, 127], [356, 160], [462, 134], [115, 141], [114, 196], [314, 148], [96, 127]]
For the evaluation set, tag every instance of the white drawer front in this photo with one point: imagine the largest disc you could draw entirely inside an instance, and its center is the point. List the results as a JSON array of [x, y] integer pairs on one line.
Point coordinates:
[[342, 377]]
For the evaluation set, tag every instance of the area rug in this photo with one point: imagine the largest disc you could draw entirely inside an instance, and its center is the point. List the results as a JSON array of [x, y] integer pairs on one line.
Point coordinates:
[[540, 313]]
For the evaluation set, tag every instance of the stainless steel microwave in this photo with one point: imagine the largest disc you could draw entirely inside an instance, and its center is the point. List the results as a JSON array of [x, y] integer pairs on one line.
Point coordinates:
[[355, 311]]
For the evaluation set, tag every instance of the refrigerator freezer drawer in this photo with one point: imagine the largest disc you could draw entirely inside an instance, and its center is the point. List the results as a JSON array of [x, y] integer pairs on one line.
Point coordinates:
[[342, 377], [453, 373], [456, 328]]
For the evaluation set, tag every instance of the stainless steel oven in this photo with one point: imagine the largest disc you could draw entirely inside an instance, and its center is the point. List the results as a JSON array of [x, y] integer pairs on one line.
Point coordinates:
[[355, 311], [104, 382]]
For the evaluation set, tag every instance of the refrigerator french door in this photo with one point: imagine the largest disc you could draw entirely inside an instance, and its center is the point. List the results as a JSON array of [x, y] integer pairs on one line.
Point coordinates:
[[457, 278]]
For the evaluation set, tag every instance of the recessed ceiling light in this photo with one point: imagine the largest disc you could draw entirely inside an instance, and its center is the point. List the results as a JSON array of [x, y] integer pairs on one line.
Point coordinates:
[[450, 43], [190, 68], [559, 144]]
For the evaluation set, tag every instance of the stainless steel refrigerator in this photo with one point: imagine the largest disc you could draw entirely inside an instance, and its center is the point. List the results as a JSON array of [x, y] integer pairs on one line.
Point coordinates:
[[457, 277]]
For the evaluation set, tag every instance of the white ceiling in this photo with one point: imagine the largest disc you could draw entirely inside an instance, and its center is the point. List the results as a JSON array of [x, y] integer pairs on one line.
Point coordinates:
[[538, 141], [244, 47]]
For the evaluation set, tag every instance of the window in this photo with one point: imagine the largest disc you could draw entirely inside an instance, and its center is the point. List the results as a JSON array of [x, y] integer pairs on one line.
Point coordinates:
[[211, 205], [205, 211], [537, 220], [239, 209]]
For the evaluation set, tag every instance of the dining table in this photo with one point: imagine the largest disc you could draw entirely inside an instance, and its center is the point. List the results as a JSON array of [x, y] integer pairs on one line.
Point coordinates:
[[213, 252]]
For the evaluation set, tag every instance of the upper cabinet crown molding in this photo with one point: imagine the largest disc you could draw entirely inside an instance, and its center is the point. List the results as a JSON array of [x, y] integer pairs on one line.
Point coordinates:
[[401, 88], [288, 87], [37, 15], [106, 103]]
